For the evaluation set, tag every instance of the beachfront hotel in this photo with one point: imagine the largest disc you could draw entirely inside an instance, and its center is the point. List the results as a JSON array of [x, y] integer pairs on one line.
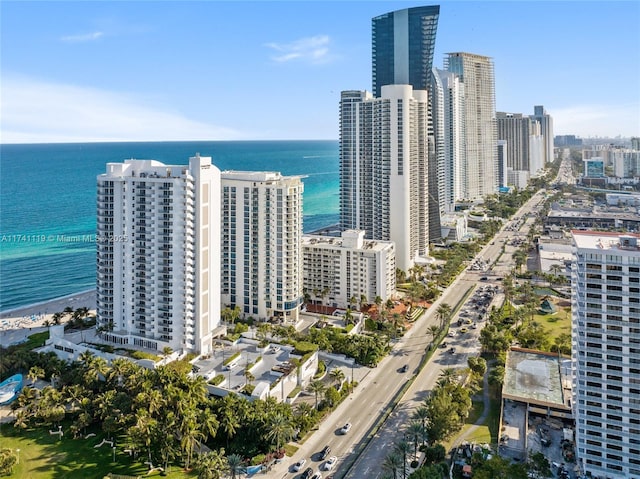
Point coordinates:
[[158, 260], [261, 244], [336, 270], [605, 282]]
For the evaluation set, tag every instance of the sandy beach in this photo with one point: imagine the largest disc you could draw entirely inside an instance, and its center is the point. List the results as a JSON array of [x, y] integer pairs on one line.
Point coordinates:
[[35, 315]]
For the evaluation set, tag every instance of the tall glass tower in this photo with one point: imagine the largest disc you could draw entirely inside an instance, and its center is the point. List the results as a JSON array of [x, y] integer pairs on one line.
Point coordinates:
[[402, 47]]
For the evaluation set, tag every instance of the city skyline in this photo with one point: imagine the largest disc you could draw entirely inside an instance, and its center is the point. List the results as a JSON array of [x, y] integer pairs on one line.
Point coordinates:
[[118, 71]]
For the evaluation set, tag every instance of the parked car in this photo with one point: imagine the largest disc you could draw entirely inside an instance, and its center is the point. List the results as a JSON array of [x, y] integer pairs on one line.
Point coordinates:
[[325, 452], [452, 351], [332, 461], [443, 344], [307, 473], [299, 465], [463, 330], [317, 475], [345, 429]]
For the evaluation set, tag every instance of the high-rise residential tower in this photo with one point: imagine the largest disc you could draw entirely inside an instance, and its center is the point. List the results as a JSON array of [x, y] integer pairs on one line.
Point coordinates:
[[480, 156], [516, 130], [262, 244], [158, 261], [403, 43], [546, 126], [447, 95], [605, 306], [384, 150]]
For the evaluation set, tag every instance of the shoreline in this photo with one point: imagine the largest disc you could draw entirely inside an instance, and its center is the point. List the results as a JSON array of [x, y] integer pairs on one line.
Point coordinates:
[[36, 314], [12, 311]]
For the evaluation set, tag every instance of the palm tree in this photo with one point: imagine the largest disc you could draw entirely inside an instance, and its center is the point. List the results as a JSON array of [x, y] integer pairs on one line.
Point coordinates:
[[235, 465], [316, 387], [191, 436], [35, 373], [337, 375], [447, 375], [433, 330], [249, 377], [348, 317], [403, 448], [363, 300], [392, 464], [378, 302], [352, 301], [422, 414], [415, 432], [280, 430], [57, 318], [443, 313], [211, 465], [229, 422]]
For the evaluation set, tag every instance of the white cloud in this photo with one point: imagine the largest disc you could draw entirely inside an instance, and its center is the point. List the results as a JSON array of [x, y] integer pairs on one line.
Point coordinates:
[[81, 38], [38, 112], [597, 120], [312, 49]]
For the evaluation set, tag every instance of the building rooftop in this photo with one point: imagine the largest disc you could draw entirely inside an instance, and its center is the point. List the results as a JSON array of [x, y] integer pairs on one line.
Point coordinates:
[[606, 240], [534, 377]]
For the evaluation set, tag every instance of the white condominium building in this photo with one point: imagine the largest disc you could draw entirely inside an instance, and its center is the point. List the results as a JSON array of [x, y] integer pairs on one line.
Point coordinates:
[[479, 171], [606, 353], [261, 244], [448, 125], [384, 150], [158, 262], [339, 269]]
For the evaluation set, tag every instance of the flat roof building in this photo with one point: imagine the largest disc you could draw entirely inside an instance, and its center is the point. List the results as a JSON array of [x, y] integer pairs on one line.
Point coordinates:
[[158, 262], [606, 352], [261, 244], [339, 269]]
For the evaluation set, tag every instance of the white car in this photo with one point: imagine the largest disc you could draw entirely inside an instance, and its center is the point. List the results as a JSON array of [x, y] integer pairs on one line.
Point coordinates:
[[346, 428], [332, 461], [299, 465]]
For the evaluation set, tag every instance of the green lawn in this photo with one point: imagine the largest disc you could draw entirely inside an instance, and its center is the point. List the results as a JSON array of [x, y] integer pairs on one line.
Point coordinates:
[[487, 433], [557, 323], [44, 456]]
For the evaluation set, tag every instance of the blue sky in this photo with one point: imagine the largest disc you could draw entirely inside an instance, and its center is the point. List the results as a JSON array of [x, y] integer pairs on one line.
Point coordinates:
[[209, 70]]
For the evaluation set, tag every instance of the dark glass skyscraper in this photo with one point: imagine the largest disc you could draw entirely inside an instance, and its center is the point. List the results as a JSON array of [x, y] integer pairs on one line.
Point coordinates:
[[403, 43]]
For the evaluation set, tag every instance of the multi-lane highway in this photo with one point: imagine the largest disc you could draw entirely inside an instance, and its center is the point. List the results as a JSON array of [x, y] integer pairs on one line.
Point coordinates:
[[377, 390]]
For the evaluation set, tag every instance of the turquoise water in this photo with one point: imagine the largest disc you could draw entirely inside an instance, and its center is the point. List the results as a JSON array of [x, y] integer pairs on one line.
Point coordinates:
[[48, 191]]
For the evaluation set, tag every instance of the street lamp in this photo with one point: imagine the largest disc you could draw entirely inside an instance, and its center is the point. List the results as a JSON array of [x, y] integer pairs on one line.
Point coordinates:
[[114, 453]]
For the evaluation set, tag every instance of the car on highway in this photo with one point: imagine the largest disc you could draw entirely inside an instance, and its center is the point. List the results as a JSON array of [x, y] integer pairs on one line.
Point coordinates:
[[299, 465], [308, 472], [332, 461], [325, 452], [345, 429], [484, 278], [404, 368]]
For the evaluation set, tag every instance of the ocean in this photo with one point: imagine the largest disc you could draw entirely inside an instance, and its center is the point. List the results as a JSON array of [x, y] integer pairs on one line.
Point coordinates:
[[48, 193]]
